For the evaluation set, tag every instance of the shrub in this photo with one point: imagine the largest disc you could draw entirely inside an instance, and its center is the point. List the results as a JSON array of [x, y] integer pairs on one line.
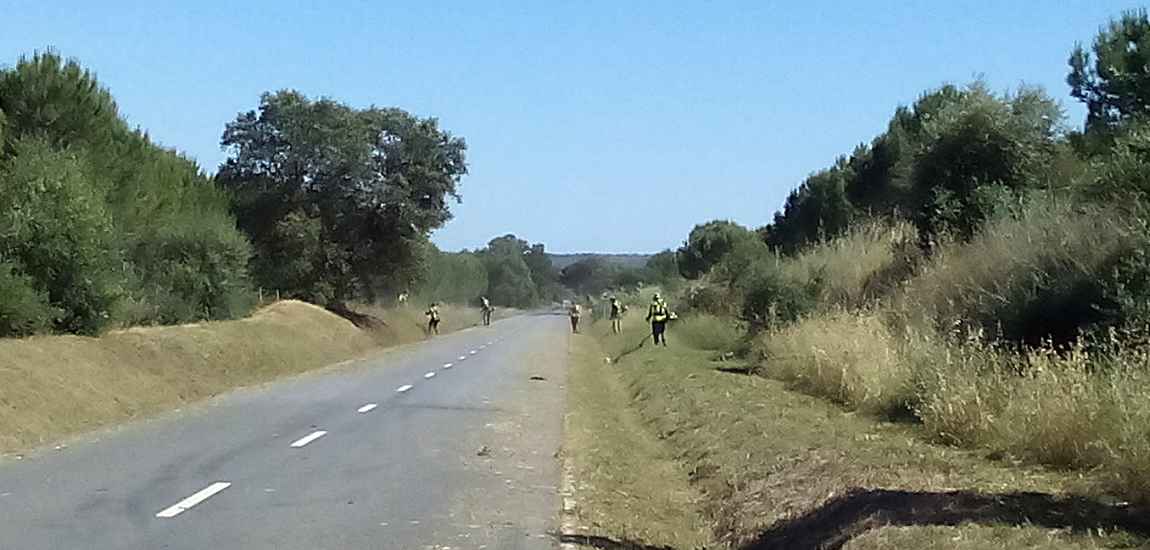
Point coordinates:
[[23, 309], [774, 299], [58, 232]]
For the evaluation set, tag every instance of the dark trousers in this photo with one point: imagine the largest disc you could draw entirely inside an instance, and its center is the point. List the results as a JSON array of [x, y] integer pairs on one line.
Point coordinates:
[[657, 330], [574, 324]]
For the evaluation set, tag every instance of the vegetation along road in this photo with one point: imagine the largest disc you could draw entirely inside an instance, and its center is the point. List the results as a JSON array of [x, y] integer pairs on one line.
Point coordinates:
[[941, 340]]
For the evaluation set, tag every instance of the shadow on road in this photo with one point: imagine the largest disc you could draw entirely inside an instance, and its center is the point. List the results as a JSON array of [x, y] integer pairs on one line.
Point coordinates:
[[858, 511]]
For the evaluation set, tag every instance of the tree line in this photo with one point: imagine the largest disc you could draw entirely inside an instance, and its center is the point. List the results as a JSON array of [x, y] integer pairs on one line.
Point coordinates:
[[953, 163], [317, 200]]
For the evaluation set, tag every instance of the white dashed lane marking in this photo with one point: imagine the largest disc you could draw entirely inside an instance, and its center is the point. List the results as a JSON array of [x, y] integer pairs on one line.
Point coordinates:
[[204, 494], [367, 407], [472, 352], [308, 438], [403, 388], [447, 365], [429, 375], [462, 357]]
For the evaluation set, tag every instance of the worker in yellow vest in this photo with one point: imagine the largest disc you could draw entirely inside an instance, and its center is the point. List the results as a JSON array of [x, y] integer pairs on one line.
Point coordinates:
[[432, 319], [658, 315]]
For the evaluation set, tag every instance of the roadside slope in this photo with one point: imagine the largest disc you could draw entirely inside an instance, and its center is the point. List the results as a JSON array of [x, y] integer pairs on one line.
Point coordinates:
[[625, 486], [778, 469], [52, 387]]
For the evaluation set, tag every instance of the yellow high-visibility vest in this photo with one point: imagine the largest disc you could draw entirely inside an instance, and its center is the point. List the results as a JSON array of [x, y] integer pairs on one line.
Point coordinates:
[[658, 311]]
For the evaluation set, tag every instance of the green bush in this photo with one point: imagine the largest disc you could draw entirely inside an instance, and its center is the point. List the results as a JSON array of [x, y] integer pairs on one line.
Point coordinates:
[[455, 277], [191, 274], [773, 300], [23, 309], [108, 227], [59, 234]]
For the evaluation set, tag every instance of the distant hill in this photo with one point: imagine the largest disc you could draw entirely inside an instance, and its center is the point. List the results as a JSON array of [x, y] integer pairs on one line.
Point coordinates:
[[561, 261]]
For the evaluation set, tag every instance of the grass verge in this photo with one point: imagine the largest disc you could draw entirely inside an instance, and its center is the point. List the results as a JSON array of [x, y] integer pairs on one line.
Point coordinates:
[[780, 469], [52, 387], [627, 488]]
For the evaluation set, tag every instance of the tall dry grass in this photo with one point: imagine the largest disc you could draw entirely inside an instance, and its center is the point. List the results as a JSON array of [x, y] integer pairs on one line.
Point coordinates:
[[849, 269], [1021, 277], [845, 357], [709, 332], [944, 343]]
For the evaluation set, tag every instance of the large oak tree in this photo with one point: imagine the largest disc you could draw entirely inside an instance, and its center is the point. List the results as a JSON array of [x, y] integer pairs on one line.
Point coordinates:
[[338, 201]]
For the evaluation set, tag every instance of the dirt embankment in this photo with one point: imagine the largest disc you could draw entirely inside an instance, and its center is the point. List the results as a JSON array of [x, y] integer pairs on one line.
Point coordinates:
[[52, 387]]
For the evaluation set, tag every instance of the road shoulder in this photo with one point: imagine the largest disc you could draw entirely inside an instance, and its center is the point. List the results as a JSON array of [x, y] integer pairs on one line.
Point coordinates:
[[624, 488], [776, 469]]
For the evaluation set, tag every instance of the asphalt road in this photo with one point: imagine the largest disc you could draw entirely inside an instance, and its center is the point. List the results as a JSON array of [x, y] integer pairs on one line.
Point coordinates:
[[448, 443]]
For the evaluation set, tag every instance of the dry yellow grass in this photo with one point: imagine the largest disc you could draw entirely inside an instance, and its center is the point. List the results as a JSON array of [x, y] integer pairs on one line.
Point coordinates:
[[979, 537], [1056, 409], [626, 486], [52, 387], [765, 458], [846, 357], [846, 265]]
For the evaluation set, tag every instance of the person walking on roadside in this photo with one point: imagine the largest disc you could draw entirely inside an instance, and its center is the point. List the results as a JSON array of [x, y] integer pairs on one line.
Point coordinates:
[[657, 314], [574, 313], [432, 319], [487, 309], [616, 316]]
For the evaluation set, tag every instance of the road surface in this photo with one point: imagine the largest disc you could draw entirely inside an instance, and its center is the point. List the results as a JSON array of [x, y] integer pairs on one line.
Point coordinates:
[[449, 443]]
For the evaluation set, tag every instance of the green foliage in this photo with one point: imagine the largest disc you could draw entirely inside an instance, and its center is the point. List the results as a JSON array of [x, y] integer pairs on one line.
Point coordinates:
[[981, 154], [708, 243], [58, 101], [874, 182], [356, 190], [508, 275], [663, 268], [58, 233], [819, 209], [455, 277], [773, 300], [1113, 79], [188, 273], [1123, 171], [542, 273], [107, 226], [1125, 302], [23, 310]]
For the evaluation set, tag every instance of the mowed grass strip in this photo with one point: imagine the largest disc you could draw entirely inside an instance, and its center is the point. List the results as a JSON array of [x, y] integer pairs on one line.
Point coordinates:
[[779, 469], [626, 487], [53, 387]]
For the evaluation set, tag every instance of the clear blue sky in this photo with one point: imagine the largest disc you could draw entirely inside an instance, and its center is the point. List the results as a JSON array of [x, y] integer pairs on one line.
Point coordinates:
[[605, 126]]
